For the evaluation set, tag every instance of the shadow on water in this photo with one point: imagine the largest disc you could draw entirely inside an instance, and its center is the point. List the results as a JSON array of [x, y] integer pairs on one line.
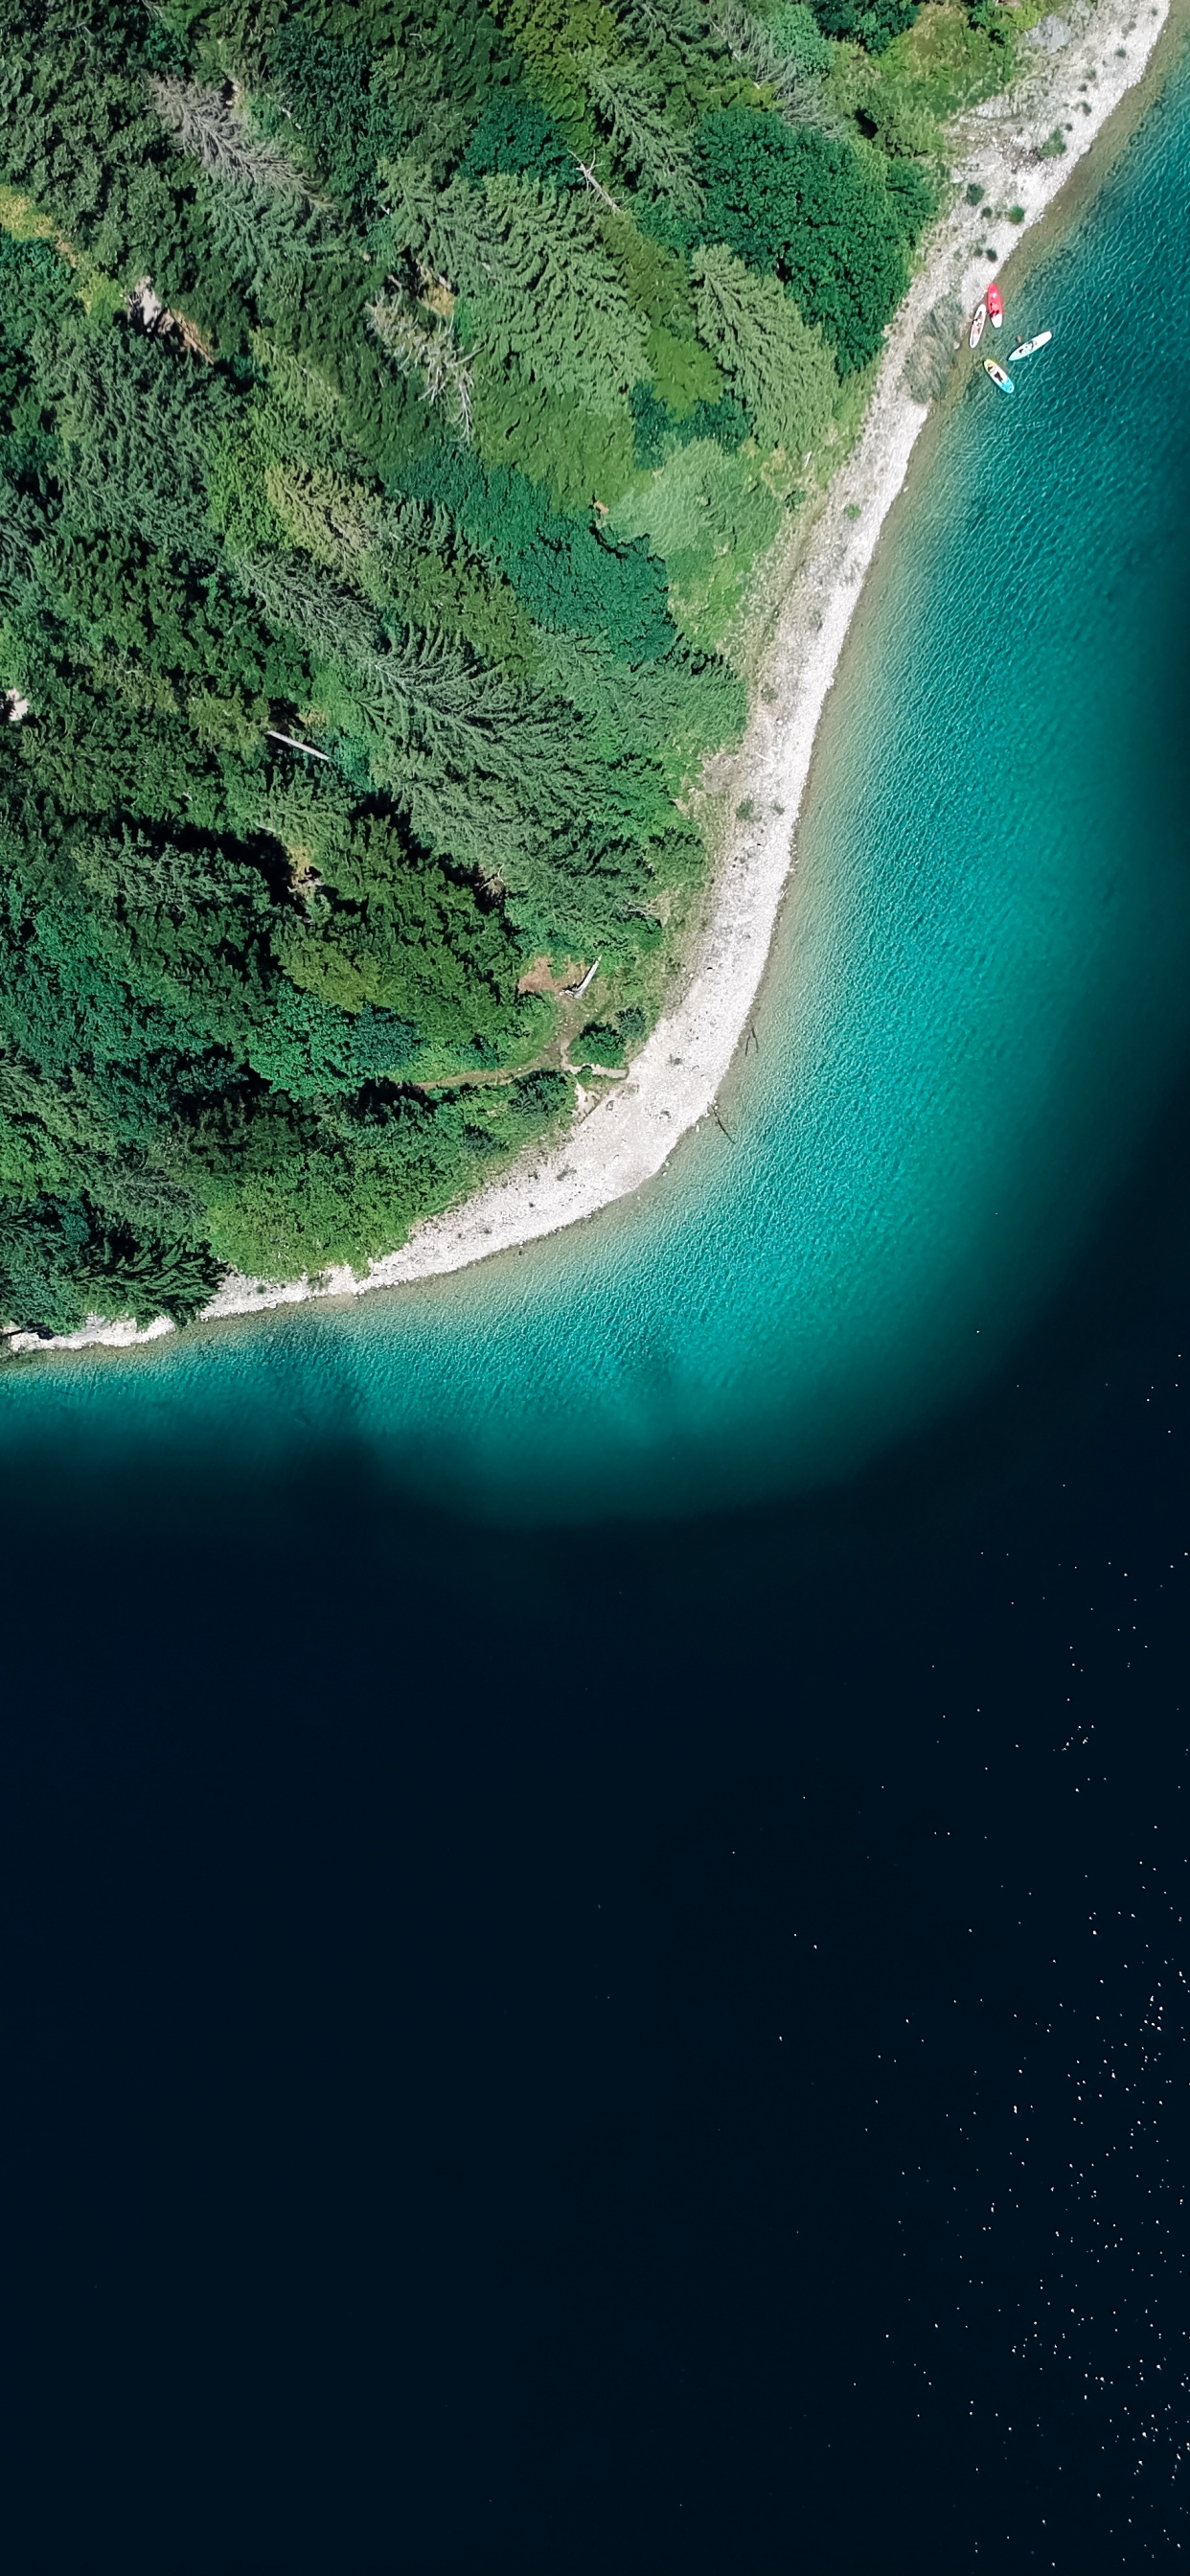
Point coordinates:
[[610, 2050]]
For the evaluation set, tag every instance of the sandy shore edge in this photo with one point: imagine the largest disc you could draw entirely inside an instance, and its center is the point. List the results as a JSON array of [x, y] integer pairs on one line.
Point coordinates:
[[1102, 52]]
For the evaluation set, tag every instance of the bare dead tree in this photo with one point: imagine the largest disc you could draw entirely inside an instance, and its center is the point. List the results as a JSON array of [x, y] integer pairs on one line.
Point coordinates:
[[422, 341], [208, 123]]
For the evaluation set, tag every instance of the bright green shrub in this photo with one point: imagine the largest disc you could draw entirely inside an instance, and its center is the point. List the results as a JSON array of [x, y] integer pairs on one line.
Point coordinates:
[[709, 515], [683, 372], [657, 285], [552, 38]]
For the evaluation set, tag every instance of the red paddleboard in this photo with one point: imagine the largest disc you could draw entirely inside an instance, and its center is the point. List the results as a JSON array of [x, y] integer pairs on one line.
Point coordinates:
[[995, 307]]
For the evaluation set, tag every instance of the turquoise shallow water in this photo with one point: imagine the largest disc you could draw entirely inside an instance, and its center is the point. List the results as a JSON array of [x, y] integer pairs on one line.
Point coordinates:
[[978, 1003]]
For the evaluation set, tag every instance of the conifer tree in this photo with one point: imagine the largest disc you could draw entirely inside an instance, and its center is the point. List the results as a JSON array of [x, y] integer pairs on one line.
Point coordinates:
[[335, 521], [135, 423], [554, 303], [444, 230], [423, 342], [292, 595], [781, 368], [422, 688], [682, 24], [651, 147], [795, 91], [430, 687]]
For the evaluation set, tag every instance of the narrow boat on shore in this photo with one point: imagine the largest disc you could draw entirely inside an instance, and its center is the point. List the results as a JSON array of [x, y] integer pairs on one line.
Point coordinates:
[[995, 308], [1027, 347], [977, 326], [998, 376]]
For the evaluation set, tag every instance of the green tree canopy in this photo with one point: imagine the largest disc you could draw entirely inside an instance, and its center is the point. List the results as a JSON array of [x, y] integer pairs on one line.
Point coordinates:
[[552, 302], [873, 22], [781, 369], [812, 209], [516, 134]]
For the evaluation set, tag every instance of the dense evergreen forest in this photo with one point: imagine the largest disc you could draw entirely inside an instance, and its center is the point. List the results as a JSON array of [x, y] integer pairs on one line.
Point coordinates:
[[395, 402]]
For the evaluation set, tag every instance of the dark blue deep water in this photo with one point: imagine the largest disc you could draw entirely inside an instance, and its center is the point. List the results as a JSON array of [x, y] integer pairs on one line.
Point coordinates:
[[650, 2034]]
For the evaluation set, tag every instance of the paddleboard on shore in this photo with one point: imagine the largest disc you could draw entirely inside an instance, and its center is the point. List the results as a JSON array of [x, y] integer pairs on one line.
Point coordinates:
[[1027, 347], [977, 326], [998, 376], [995, 308]]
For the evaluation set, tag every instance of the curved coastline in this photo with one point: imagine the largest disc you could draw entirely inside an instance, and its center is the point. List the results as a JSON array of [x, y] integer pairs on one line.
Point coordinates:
[[1105, 65]]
